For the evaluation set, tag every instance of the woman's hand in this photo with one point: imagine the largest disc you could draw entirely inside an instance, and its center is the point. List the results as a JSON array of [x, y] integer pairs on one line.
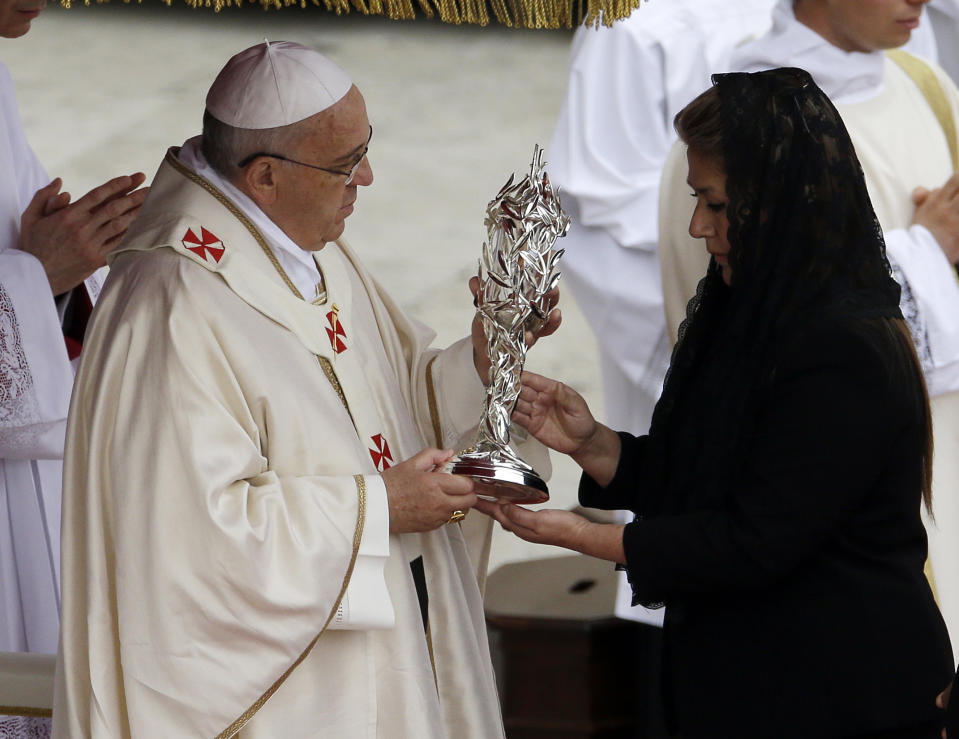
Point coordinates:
[[559, 528], [554, 414], [557, 416], [942, 701]]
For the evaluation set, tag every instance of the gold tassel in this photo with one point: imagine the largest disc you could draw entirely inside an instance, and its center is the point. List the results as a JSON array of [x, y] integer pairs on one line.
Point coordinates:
[[549, 14]]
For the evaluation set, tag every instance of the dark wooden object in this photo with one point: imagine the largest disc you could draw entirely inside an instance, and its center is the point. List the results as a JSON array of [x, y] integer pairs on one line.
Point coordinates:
[[566, 667]]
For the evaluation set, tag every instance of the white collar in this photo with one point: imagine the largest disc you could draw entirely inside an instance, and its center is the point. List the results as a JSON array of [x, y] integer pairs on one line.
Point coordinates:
[[298, 263], [845, 76]]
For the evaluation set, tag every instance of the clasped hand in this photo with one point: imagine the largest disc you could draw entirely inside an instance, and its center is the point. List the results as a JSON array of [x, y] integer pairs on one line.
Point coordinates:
[[938, 211], [72, 240]]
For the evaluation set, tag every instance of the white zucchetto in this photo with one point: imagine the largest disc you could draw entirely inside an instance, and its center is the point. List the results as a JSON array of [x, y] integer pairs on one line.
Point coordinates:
[[275, 84]]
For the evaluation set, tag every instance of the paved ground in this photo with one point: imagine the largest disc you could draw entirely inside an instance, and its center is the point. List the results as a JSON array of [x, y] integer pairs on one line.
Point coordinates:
[[104, 90]]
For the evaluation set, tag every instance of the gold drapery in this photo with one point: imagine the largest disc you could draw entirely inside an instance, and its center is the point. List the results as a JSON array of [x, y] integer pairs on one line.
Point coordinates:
[[512, 13]]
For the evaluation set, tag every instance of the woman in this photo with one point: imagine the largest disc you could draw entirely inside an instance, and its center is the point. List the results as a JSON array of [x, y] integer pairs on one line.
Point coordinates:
[[778, 491]]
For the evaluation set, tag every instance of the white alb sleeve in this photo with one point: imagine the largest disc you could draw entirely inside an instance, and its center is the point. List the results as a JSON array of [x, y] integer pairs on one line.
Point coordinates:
[[934, 286], [366, 603]]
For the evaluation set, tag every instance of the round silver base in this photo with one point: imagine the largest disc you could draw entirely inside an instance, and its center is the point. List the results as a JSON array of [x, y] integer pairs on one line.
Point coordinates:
[[501, 481]]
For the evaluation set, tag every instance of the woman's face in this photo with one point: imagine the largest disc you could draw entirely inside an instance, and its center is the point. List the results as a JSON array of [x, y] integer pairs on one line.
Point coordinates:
[[709, 221]]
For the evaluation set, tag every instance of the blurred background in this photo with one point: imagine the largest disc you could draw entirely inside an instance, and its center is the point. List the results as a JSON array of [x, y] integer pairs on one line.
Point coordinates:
[[106, 89]]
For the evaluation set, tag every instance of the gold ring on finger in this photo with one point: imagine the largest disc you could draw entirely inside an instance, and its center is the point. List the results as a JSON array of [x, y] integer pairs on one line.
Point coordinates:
[[456, 517]]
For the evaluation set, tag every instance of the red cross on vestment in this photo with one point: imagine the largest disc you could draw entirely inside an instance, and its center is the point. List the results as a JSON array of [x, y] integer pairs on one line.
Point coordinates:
[[381, 453], [335, 331], [206, 245]]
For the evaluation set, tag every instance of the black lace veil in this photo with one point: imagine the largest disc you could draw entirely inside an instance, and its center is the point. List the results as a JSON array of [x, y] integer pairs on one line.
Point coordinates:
[[803, 237]]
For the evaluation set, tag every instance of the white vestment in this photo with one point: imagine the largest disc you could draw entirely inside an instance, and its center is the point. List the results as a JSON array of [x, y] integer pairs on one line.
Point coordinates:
[[901, 146], [35, 382], [225, 440]]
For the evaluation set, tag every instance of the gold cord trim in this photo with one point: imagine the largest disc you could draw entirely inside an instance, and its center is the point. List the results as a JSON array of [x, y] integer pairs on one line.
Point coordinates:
[[931, 89], [235, 727], [540, 14], [26, 711], [335, 382], [238, 214], [434, 407]]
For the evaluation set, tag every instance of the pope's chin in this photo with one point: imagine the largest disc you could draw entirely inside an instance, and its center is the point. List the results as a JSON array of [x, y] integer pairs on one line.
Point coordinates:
[[332, 234]]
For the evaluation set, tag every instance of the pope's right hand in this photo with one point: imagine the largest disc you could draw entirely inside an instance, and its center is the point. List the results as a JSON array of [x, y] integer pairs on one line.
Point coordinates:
[[421, 496]]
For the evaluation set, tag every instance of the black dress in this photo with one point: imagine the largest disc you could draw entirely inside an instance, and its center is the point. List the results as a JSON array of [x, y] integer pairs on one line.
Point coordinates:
[[796, 604]]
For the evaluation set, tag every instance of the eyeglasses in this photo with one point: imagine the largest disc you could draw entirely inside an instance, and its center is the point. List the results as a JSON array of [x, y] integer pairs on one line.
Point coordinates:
[[350, 175]]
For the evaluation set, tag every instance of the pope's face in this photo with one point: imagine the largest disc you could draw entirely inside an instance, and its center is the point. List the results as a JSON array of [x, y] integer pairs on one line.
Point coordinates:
[[312, 205], [15, 16], [870, 25], [709, 221]]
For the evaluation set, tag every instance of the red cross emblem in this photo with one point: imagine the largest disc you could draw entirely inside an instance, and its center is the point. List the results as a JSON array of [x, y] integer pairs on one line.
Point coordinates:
[[381, 454], [335, 331], [207, 246]]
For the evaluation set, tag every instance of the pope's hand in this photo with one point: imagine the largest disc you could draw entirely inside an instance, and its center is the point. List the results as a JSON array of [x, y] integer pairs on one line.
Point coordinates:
[[938, 211], [421, 496], [72, 240]]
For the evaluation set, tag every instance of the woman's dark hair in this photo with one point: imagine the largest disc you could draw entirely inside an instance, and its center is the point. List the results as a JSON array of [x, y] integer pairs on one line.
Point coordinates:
[[700, 126], [803, 239]]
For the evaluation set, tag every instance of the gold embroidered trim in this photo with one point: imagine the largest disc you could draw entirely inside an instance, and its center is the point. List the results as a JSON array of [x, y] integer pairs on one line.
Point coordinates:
[[434, 409], [235, 727], [26, 711], [240, 216], [335, 382]]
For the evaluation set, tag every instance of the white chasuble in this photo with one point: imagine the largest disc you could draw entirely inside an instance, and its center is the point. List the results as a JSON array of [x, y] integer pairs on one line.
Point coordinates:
[[224, 450]]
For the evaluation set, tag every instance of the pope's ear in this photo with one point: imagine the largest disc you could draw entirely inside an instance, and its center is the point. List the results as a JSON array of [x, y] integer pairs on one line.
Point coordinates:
[[259, 180]]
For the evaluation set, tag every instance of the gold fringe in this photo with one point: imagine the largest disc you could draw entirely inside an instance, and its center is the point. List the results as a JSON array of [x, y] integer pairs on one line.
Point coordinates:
[[540, 14]]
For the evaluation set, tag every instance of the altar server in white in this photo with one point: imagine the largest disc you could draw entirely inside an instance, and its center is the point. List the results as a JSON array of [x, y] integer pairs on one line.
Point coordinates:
[[48, 246], [906, 141], [257, 540]]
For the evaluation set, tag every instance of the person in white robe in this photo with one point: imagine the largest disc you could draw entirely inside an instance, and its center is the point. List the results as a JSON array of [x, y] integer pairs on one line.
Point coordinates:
[[48, 247], [909, 163], [258, 540]]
